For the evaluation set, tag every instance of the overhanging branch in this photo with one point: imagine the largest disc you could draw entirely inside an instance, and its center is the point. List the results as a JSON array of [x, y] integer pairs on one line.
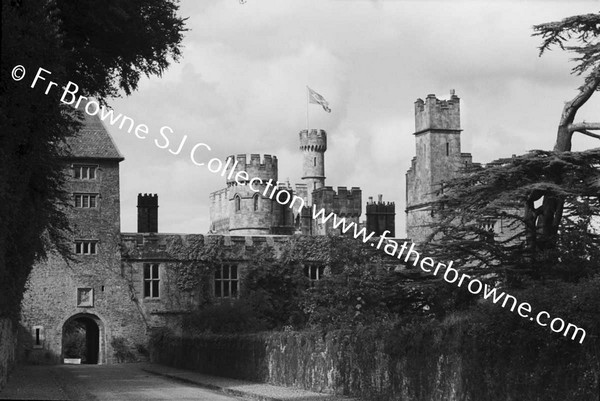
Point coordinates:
[[588, 133], [583, 127]]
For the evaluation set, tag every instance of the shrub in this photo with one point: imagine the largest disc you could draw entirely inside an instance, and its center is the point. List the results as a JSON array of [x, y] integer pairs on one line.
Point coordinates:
[[234, 317], [121, 350]]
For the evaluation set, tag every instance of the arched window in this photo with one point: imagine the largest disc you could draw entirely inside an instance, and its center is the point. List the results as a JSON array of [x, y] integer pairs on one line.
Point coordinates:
[[238, 203], [255, 202]]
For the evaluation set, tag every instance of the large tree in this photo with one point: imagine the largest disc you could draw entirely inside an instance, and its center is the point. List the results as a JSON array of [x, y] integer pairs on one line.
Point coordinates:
[[544, 202], [579, 35], [104, 47]]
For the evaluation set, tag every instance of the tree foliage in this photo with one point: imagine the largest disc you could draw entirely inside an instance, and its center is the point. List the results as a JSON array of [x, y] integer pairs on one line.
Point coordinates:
[[492, 219], [103, 47], [110, 44]]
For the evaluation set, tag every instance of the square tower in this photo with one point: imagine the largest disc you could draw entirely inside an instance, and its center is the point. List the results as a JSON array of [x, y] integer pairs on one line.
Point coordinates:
[[438, 158]]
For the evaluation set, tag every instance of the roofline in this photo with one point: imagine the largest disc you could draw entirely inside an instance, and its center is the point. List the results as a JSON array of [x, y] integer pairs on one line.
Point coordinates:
[[117, 159]]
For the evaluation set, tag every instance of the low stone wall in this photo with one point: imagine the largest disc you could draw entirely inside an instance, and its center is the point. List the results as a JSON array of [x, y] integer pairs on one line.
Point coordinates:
[[349, 363], [8, 346], [468, 359]]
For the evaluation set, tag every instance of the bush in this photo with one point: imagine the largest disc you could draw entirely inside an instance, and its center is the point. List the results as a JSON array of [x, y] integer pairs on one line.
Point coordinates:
[[234, 317], [121, 350], [501, 355]]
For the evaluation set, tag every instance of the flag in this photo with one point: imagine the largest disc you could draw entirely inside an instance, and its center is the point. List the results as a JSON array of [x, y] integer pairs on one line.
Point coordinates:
[[314, 97]]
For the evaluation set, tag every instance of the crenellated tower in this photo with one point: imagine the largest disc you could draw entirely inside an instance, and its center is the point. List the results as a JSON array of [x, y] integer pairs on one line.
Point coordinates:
[[313, 145], [239, 209], [438, 158], [381, 216]]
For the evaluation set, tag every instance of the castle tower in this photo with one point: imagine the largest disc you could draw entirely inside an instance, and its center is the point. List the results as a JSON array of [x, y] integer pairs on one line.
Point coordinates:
[[313, 145], [381, 216], [244, 209], [438, 158], [147, 213]]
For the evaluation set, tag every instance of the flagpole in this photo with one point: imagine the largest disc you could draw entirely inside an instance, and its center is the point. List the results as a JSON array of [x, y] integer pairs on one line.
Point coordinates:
[[307, 101]]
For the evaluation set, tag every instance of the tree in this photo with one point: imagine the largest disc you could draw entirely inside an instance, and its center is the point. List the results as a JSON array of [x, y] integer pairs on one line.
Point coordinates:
[[577, 34], [544, 199], [481, 224], [104, 47]]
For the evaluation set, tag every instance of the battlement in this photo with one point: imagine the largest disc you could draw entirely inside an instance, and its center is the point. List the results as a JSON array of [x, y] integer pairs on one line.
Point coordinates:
[[315, 140], [147, 200], [344, 202], [381, 216], [378, 204], [436, 114], [264, 167]]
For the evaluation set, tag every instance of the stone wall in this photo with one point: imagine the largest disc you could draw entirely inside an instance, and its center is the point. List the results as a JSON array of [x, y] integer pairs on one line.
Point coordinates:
[[8, 342], [55, 285], [340, 362]]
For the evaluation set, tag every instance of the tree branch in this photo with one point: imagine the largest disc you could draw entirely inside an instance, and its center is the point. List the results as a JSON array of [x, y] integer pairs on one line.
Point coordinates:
[[588, 133], [584, 126], [585, 92]]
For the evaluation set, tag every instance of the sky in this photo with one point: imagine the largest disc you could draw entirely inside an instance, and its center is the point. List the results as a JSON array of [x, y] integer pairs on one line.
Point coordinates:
[[240, 87]]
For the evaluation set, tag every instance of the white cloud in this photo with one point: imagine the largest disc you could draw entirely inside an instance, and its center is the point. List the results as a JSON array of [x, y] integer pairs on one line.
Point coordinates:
[[240, 87]]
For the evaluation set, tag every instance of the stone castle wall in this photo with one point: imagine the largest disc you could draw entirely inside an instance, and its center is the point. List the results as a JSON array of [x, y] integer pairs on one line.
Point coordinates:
[[52, 296]]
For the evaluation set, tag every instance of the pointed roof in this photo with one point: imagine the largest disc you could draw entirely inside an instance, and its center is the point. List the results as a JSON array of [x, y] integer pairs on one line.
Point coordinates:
[[93, 141]]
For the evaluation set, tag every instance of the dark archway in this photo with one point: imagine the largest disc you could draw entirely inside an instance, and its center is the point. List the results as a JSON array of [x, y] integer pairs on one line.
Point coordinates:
[[81, 338]]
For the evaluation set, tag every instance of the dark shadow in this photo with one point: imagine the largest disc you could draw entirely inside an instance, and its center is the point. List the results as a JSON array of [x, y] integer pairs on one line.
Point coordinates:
[[81, 339]]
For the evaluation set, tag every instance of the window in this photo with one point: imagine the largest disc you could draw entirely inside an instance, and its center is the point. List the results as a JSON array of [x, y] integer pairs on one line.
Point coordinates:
[[238, 203], [86, 247], [226, 281], [314, 272], [315, 162], [38, 336], [447, 149], [86, 200], [255, 199], [81, 172], [151, 280]]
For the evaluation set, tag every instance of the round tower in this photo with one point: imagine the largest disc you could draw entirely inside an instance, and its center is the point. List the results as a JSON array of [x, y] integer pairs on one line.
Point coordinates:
[[250, 210], [313, 145]]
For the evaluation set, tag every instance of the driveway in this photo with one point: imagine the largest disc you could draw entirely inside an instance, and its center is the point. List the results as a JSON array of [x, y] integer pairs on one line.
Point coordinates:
[[99, 382]]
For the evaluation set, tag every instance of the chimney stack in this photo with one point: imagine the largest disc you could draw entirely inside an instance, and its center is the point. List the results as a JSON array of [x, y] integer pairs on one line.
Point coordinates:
[[147, 213]]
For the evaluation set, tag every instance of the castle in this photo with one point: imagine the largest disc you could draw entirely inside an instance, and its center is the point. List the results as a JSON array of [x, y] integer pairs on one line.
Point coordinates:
[[124, 285], [246, 210]]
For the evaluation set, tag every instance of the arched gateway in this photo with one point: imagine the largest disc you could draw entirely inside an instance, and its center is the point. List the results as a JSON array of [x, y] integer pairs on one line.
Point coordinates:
[[83, 338]]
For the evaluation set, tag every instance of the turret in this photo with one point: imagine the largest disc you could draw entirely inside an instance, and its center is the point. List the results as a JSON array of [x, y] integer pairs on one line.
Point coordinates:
[[313, 145]]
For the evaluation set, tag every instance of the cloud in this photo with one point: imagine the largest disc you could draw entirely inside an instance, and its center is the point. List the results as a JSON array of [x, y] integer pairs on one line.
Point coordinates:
[[240, 88]]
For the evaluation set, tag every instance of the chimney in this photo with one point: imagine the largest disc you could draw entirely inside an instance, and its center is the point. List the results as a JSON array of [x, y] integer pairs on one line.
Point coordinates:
[[370, 199], [147, 213], [380, 198]]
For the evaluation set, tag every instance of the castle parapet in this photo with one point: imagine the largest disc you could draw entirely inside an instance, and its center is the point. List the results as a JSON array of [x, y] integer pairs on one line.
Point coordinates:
[[434, 113], [315, 140], [264, 167], [344, 202]]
